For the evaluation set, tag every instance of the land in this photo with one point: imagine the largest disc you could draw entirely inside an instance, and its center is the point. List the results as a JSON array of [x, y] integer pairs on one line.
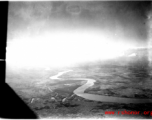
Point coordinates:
[[55, 99]]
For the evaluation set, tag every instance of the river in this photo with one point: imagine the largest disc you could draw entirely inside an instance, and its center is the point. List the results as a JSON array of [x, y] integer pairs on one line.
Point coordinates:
[[90, 82]]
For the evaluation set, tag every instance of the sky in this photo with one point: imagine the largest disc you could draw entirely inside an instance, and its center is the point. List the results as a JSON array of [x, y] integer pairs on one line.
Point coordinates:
[[77, 31]]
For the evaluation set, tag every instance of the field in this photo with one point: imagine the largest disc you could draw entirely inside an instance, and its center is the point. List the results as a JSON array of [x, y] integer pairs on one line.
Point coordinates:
[[54, 98]]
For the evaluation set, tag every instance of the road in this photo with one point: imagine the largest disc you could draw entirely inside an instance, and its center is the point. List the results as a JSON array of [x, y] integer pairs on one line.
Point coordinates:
[[90, 82]]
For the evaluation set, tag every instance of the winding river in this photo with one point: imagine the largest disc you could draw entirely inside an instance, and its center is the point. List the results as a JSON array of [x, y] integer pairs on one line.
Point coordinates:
[[90, 82]]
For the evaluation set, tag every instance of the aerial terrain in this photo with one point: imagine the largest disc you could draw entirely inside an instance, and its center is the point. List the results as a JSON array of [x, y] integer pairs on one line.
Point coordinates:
[[55, 98]]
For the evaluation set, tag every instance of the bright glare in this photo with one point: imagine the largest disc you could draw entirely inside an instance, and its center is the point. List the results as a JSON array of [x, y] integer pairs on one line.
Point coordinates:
[[61, 49]]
